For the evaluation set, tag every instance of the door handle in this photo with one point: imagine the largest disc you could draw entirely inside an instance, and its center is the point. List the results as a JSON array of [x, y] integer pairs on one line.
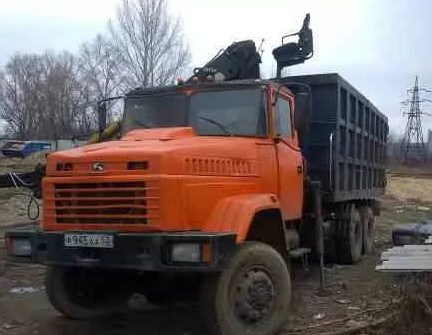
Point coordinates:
[[299, 169]]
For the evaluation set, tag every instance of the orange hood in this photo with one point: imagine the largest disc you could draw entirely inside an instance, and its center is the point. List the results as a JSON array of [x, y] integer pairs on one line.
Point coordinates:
[[165, 151]]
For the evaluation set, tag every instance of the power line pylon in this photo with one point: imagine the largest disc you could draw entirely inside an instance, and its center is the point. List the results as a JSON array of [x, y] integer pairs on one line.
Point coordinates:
[[413, 144]]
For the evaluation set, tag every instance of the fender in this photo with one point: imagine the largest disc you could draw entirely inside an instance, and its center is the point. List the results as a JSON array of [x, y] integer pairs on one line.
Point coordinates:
[[235, 213]]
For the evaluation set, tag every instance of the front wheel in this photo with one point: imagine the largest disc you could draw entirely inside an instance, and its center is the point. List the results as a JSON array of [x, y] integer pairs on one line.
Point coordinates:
[[251, 296], [80, 293]]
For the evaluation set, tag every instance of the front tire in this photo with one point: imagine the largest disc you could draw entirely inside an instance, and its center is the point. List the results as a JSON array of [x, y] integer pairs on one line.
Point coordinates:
[[80, 293], [251, 296]]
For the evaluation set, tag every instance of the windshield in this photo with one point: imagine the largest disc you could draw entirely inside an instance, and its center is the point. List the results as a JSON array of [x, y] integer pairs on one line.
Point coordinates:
[[239, 112]]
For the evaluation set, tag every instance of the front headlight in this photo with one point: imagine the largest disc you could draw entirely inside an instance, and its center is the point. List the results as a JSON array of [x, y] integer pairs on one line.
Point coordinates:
[[19, 247], [186, 252]]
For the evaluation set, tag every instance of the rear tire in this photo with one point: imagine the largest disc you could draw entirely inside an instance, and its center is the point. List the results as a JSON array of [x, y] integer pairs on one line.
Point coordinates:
[[251, 296], [368, 224], [85, 293], [350, 237]]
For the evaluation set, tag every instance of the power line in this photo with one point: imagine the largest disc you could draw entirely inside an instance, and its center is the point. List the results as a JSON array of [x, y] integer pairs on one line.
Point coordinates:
[[413, 144]]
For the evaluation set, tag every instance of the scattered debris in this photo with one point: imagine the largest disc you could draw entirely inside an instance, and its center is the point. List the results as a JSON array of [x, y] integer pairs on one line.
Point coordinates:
[[342, 301], [7, 326], [23, 290], [401, 208], [319, 316], [352, 323]]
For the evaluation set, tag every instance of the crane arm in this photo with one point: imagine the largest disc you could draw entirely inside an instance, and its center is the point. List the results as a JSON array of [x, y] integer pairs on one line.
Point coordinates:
[[239, 61]]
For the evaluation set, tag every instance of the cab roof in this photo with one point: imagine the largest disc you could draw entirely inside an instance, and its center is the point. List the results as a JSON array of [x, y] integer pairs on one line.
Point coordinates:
[[202, 86]]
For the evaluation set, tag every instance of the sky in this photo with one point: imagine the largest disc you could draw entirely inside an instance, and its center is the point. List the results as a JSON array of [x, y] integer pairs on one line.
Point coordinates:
[[379, 46]]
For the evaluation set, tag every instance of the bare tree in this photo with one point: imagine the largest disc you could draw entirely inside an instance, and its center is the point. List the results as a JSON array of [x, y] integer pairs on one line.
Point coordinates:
[[64, 97], [18, 95], [54, 95], [148, 42], [41, 98], [99, 72]]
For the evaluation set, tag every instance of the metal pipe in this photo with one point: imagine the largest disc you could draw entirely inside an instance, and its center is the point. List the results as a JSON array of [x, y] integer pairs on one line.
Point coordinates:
[[102, 114], [331, 161], [319, 230], [102, 117]]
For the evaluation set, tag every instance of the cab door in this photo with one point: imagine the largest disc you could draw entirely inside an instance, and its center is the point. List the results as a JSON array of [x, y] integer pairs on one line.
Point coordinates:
[[289, 158]]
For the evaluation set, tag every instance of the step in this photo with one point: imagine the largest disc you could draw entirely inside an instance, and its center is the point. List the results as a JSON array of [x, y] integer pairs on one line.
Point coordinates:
[[299, 252]]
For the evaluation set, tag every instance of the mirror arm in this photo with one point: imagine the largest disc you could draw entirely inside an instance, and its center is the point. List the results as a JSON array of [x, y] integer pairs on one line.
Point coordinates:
[[102, 114], [276, 98]]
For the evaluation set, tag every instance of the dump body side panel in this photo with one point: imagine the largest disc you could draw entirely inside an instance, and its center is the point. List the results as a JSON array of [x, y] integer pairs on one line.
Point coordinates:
[[351, 165]]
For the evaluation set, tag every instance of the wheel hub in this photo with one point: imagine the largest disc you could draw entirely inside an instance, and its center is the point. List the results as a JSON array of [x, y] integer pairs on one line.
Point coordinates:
[[254, 296]]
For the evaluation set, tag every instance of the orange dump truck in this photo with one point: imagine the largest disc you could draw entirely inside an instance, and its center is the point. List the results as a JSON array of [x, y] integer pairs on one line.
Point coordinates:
[[210, 192]]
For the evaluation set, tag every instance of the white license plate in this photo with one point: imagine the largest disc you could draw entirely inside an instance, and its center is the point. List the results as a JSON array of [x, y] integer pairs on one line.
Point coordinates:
[[89, 240]]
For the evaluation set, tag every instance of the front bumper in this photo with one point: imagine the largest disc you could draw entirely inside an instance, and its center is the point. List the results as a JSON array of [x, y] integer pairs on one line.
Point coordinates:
[[132, 251]]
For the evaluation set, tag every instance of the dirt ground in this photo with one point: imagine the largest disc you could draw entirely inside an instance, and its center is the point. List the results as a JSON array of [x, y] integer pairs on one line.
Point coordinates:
[[355, 294]]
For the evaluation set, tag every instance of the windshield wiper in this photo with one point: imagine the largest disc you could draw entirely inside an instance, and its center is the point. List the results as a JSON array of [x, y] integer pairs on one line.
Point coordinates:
[[220, 125]]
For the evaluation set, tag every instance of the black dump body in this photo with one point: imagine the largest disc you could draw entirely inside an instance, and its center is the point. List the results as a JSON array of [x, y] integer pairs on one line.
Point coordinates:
[[352, 165]]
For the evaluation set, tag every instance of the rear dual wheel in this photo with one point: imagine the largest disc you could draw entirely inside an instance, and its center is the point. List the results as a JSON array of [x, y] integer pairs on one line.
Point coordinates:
[[355, 233], [368, 223], [349, 235]]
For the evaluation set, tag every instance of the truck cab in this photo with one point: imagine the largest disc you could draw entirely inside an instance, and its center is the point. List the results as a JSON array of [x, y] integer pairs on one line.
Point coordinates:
[[189, 157], [199, 170]]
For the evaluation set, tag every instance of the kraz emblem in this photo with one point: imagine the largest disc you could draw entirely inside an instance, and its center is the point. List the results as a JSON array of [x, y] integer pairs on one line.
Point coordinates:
[[97, 167]]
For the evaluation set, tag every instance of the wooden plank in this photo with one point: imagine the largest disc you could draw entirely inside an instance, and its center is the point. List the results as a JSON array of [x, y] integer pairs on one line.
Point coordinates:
[[406, 253], [406, 265], [407, 256], [410, 247], [381, 268], [417, 247], [409, 262], [413, 258]]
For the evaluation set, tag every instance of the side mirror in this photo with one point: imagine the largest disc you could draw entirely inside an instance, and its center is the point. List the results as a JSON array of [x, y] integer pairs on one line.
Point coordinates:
[[102, 115], [102, 118]]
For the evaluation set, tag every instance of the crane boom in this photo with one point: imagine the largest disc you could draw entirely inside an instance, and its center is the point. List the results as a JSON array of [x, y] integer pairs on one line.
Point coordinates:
[[239, 61]]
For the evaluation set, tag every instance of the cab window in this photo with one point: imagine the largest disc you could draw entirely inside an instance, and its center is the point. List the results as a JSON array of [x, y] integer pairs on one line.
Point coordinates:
[[235, 112], [283, 118]]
